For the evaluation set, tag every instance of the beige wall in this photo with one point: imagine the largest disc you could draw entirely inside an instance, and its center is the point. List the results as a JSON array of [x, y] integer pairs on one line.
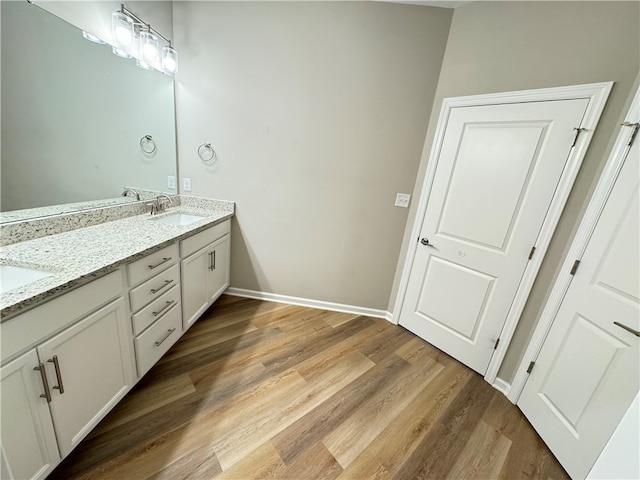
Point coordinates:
[[318, 112], [505, 46]]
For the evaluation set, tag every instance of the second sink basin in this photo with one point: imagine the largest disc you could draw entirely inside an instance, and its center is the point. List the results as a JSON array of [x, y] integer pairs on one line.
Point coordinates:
[[13, 277], [177, 218]]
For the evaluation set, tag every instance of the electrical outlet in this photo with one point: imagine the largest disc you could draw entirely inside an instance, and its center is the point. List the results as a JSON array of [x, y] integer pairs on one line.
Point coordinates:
[[402, 200], [171, 182], [186, 184]]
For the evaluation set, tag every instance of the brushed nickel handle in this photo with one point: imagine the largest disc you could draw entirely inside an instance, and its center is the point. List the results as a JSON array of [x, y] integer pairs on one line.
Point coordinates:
[[425, 241], [214, 260], [169, 332], [166, 305], [45, 383], [628, 329], [211, 267], [164, 260], [56, 365], [166, 282]]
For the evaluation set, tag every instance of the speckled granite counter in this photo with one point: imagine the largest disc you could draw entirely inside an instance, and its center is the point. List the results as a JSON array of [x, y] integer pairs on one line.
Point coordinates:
[[78, 256]]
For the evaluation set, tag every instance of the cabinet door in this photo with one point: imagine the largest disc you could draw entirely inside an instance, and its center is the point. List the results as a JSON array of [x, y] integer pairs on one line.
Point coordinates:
[[90, 368], [29, 447], [218, 268], [194, 280]]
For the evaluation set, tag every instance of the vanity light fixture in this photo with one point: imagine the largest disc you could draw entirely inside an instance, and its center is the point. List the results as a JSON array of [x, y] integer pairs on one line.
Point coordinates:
[[119, 52], [92, 38], [131, 34], [141, 64]]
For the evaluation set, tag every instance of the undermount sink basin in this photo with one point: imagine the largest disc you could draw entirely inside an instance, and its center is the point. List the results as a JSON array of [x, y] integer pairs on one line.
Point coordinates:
[[13, 277], [178, 218]]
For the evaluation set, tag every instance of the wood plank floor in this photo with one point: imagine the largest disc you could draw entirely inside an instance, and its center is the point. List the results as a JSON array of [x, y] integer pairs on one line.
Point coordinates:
[[263, 390]]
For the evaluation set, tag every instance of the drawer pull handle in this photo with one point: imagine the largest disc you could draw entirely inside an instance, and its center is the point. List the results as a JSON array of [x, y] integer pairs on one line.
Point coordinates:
[[628, 329], [166, 282], [164, 260], [45, 383], [212, 260], [169, 332], [166, 305], [56, 365]]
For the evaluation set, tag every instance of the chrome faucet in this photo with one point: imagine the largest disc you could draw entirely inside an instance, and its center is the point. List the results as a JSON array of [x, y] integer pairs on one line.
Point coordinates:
[[127, 191]]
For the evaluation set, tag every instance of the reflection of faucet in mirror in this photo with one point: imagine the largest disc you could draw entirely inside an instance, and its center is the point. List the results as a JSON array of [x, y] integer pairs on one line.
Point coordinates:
[[127, 191]]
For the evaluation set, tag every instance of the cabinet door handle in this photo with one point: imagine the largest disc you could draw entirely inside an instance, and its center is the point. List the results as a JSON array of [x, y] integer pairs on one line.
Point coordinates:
[[211, 267], [56, 365], [166, 282], [214, 259], [166, 305], [45, 383], [169, 332], [164, 260], [628, 329]]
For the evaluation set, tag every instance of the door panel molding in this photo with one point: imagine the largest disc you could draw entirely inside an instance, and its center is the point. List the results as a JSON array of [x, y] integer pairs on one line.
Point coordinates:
[[594, 210], [596, 94]]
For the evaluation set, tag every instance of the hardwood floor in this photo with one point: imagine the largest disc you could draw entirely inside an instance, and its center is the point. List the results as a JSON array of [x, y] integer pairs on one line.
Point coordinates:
[[264, 390]]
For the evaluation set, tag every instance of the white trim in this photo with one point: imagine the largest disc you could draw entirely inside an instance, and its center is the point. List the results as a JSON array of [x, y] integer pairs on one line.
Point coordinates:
[[587, 225], [502, 386], [597, 94], [307, 302]]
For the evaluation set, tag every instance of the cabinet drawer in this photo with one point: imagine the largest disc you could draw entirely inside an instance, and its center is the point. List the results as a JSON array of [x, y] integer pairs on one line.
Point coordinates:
[[157, 339], [200, 240], [154, 288], [153, 263], [155, 310]]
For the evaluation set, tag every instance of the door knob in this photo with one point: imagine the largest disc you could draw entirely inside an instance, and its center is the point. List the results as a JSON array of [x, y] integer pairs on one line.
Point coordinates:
[[425, 241]]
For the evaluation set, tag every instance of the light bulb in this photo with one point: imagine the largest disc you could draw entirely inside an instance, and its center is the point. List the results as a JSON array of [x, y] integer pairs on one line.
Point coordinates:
[[169, 59], [122, 28], [148, 45], [143, 65]]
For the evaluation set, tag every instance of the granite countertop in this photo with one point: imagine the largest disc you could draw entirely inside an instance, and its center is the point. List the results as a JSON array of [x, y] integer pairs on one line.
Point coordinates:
[[78, 256]]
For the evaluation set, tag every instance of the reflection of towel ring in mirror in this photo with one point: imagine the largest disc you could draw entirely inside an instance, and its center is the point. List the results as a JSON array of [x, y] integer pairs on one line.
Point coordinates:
[[148, 145], [206, 153]]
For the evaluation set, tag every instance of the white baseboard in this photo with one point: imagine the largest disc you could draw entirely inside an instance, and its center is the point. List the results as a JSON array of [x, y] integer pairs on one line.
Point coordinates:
[[502, 386], [308, 302]]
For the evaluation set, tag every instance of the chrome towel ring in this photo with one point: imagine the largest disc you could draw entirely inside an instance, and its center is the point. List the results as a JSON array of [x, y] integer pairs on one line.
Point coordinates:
[[206, 153], [148, 145]]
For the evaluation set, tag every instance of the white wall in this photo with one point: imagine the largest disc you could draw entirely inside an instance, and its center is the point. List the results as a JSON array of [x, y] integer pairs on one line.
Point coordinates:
[[318, 112]]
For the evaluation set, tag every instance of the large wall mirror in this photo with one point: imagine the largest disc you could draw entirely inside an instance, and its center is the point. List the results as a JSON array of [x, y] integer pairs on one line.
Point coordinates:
[[74, 115]]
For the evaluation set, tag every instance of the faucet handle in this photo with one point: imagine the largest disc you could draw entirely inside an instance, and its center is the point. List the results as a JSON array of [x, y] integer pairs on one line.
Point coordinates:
[[154, 207]]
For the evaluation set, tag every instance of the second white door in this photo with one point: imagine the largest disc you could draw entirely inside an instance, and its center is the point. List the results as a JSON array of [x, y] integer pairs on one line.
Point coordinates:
[[496, 175]]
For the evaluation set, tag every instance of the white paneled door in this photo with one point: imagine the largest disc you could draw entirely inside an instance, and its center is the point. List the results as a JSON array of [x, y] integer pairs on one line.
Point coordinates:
[[588, 370], [496, 174]]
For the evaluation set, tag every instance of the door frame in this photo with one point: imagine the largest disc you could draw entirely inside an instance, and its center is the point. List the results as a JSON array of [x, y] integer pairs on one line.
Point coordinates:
[[596, 94], [583, 235]]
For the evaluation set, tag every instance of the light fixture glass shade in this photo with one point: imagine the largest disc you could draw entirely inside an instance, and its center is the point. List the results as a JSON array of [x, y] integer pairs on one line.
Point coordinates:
[[148, 45], [92, 38], [122, 28], [169, 59], [119, 52]]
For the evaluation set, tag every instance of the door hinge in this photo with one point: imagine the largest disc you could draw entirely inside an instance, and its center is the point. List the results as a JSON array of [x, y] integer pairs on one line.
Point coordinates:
[[575, 139], [574, 269], [496, 345], [634, 132], [530, 367], [533, 249]]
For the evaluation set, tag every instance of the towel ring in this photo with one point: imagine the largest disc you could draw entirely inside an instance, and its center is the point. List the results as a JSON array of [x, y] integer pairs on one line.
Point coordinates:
[[148, 145], [207, 157]]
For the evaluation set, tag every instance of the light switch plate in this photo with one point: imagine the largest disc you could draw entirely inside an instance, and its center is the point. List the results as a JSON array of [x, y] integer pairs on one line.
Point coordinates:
[[402, 200], [171, 182], [186, 184]]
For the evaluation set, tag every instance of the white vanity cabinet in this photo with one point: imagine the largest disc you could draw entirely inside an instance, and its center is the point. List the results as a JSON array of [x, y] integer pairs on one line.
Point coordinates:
[[29, 448], [156, 313], [81, 345], [205, 270]]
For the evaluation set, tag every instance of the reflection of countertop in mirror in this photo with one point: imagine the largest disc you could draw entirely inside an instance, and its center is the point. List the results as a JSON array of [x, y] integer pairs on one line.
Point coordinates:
[[78, 256]]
